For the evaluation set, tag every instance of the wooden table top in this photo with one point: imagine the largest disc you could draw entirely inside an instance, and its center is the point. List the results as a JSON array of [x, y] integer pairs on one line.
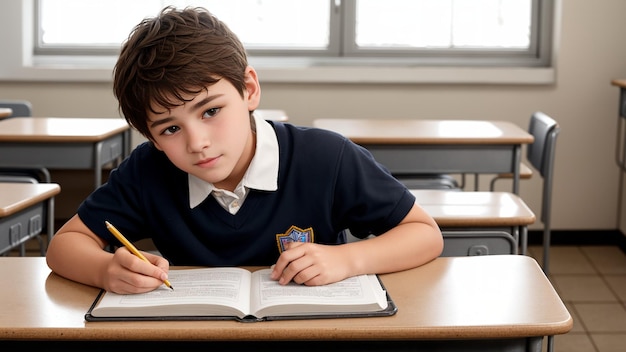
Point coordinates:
[[393, 131], [17, 196], [474, 209], [60, 129], [272, 114], [495, 296], [5, 112]]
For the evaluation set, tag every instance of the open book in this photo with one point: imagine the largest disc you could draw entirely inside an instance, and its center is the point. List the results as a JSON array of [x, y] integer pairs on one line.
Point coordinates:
[[236, 293]]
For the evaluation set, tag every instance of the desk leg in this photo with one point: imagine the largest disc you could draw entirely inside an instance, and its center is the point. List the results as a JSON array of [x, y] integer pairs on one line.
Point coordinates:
[[97, 164], [127, 137], [517, 156], [550, 343], [50, 225], [524, 239]]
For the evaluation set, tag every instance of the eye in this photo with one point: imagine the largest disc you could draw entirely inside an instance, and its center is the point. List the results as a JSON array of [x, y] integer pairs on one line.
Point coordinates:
[[211, 112], [170, 130]]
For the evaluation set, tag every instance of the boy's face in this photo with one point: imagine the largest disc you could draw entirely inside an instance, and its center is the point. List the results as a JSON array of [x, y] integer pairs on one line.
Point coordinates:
[[210, 136]]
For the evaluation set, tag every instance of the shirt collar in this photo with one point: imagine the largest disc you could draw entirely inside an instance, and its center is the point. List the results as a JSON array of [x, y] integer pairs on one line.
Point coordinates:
[[262, 174]]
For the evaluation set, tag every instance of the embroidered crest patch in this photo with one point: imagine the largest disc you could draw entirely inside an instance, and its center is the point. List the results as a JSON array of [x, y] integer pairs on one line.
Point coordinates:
[[294, 234]]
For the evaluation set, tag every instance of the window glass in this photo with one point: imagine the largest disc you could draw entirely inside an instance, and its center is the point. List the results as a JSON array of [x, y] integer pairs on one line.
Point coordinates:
[[464, 29]]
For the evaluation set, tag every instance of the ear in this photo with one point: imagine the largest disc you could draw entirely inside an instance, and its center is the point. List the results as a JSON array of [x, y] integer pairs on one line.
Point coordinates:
[[253, 88]]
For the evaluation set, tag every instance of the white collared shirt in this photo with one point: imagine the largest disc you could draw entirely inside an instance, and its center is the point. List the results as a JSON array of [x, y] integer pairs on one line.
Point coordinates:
[[262, 174]]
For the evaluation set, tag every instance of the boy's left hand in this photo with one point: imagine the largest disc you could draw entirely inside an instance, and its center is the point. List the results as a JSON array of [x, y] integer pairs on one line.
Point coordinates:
[[310, 264]]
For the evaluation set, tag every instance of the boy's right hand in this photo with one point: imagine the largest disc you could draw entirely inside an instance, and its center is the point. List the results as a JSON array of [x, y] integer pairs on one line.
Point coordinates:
[[126, 273]]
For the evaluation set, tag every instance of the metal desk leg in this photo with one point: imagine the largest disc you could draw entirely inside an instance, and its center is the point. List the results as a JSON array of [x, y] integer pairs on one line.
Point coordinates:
[[550, 343], [524, 239], [97, 164], [517, 155]]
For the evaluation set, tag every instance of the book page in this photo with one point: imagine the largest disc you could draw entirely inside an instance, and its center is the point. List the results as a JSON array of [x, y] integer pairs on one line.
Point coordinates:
[[197, 292], [356, 294]]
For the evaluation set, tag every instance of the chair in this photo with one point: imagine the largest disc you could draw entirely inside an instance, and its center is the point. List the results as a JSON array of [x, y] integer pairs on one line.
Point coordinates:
[[540, 155], [19, 107]]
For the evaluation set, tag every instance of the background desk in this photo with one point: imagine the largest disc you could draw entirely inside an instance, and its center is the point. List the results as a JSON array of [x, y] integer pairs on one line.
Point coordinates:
[[272, 114], [22, 212], [64, 143], [438, 146], [456, 302], [484, 213]]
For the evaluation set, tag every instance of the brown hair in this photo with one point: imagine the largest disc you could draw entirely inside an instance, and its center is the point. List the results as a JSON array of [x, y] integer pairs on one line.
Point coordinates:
[[178, 52]]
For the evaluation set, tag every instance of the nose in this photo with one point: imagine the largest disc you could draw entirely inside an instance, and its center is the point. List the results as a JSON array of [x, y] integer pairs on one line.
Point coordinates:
[[198, 139]]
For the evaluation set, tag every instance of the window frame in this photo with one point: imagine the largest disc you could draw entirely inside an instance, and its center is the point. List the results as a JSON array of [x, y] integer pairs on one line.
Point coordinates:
[[292, 69]]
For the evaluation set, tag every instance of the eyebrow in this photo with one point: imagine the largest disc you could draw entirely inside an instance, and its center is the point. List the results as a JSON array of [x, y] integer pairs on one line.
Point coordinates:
[[194, 107]]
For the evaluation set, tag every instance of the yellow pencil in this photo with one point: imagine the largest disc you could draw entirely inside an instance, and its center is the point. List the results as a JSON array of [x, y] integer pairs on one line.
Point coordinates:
[[130, 247]]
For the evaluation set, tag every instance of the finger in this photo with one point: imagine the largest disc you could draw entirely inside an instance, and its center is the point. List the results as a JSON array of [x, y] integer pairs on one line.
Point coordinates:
[[136, 265], [295, 268], [285, 258]]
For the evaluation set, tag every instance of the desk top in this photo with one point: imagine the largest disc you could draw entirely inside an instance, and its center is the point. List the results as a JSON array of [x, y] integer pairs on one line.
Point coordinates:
[[5, 112], [448, 298], [60, 129], [467, 209], [366, 131], [619, 82], [18, 196], [272, 114]]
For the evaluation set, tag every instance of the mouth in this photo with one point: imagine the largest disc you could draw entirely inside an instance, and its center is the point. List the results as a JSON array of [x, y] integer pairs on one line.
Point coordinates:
[[208, 162]]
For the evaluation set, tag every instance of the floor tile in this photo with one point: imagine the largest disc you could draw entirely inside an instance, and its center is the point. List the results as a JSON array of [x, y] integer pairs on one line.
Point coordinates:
[[568, 260], [618, 284], [582, 288], [572, 342], [606, 259], [602, 317], [609, 342]]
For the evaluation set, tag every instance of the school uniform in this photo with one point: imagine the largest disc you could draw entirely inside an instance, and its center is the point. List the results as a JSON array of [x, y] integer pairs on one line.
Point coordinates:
[[303, 184]]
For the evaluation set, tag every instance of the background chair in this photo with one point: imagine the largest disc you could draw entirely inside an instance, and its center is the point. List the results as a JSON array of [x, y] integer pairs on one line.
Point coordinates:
[[19, 107], [540, 155]]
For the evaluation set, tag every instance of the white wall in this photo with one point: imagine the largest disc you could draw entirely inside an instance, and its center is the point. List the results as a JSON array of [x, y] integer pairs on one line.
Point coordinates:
[[591, 52]]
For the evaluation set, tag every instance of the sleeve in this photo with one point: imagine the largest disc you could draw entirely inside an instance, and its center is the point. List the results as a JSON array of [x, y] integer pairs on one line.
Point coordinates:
[[368, 199]]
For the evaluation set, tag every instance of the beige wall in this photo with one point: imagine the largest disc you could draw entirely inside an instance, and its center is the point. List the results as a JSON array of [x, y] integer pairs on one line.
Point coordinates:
[[591, 52]]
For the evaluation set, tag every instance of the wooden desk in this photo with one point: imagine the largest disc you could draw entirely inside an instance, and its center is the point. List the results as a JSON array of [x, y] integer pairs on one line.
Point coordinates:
[[438, 146], [64, 143], [22, 212], [455, 302], [5, 112], [488, 213], [272, 114]]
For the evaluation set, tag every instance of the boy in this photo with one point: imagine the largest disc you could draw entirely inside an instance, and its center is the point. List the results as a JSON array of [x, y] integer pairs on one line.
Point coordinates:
[[215, 186]]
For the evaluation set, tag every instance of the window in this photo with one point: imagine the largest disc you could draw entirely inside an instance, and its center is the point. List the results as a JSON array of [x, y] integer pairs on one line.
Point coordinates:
[[426, 32], [324, 41]]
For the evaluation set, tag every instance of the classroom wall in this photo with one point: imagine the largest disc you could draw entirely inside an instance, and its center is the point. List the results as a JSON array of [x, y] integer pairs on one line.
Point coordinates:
[[591, 52]]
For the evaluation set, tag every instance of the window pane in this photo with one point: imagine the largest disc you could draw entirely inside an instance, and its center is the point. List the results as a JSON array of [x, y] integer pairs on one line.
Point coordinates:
[[258, 23], [443, 23]]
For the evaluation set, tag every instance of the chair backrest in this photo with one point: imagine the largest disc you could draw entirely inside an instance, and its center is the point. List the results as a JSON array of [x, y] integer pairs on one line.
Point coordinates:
[[540, 154], [19, 107]]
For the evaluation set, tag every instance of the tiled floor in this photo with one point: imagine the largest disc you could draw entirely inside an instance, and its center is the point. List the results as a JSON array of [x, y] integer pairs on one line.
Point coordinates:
[[591, 280]]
